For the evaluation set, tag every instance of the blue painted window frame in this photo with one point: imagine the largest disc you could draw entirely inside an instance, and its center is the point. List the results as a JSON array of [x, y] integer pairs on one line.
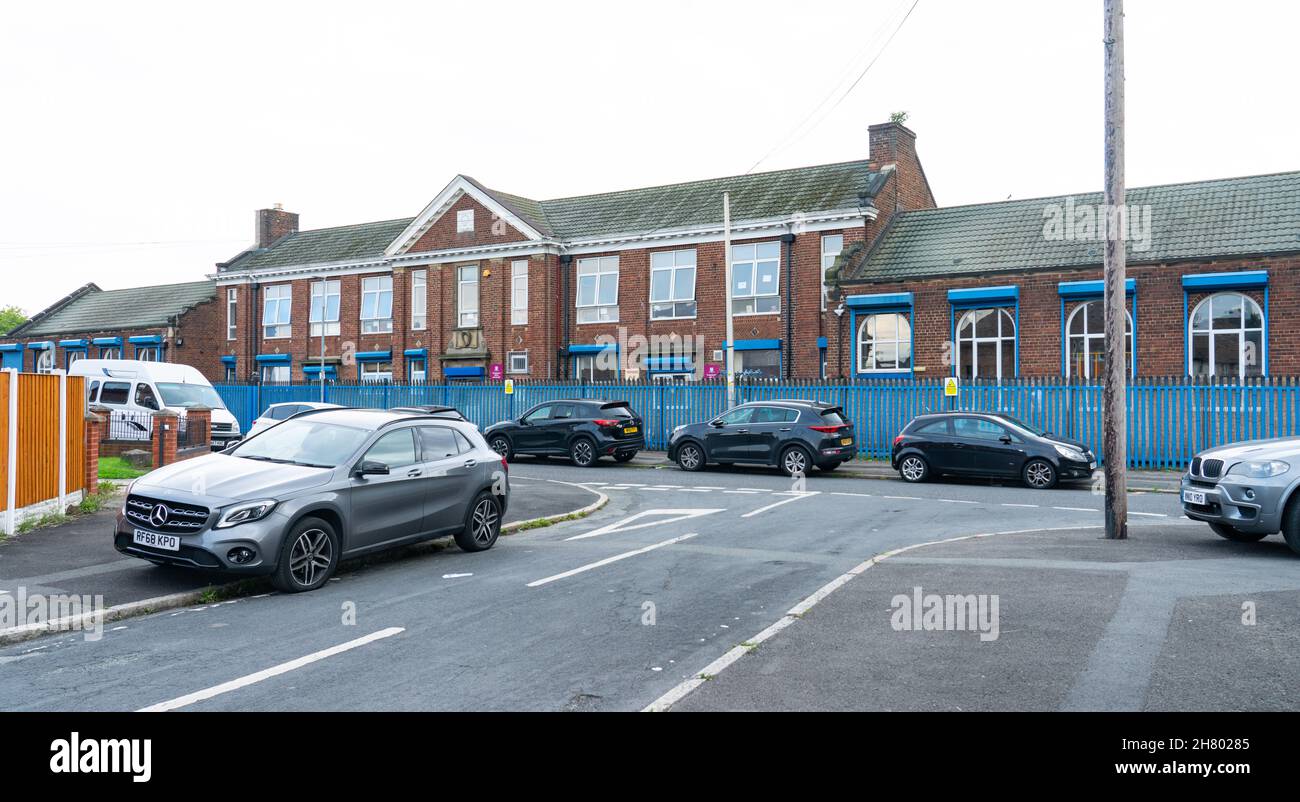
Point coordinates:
[[1091, 291], [1003, 297], [1213, 283], [590, 349], [882, 303]]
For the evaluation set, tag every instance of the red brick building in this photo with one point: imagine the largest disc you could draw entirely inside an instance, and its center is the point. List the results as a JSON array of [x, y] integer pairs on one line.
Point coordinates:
[[631, 285]]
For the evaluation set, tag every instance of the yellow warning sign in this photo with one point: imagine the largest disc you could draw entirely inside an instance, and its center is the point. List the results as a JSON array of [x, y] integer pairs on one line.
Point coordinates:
[[509, 387], [950, 387]]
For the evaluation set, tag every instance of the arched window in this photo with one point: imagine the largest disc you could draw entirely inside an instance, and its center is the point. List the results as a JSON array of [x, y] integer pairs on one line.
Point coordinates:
[[1226, 337], [884, 343], [1086, 341], [986, 344]]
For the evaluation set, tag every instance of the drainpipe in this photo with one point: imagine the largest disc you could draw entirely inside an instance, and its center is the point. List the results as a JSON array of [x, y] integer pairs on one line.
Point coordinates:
[[256, 328], [562, 363], [787, 364]]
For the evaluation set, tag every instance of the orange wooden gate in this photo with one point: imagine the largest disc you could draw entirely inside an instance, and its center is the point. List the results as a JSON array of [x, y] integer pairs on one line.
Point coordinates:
[[33, 434]]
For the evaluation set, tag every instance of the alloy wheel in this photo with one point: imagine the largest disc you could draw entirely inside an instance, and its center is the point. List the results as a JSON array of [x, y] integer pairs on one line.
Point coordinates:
[[501, 446], [583, 453], [795, 461], [913, 469], [689, 458], [311, 556], [484, 522], [1039, 475]]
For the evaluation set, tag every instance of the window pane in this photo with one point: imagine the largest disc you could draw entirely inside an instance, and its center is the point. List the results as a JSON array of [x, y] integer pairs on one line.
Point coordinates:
[[685, 288], [662, 259], [1254, 353], [742, 280], [608, 290], [660, 281], [768, 250], [986, 359], [1253, 315], [742, 253], [1225, 310], [767, 278], [986, 323], [1227, 359], [395, 449], [1200, 355]]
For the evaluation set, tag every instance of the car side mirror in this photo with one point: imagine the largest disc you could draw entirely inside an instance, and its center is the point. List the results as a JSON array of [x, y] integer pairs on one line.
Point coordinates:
[[370, 467], [717, 424], [1005, 439]]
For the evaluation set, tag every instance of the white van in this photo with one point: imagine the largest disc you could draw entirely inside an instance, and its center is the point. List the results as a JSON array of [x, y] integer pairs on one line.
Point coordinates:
[[135, 389]]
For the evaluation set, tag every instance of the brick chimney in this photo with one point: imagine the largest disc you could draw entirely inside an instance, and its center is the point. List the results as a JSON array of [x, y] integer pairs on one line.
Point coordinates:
[[891, 143], [274, 224]]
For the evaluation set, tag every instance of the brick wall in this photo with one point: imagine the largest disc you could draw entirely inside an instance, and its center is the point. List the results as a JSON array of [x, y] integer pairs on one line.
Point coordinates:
[[1161, 337]]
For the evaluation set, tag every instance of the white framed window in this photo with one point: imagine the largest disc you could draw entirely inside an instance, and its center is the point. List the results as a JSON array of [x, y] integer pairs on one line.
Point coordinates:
[[467, 296], [419, 300], [232, 373], [45, 361], [232, 309], [1086, 341], [517, 362], [595, 367], [672, 284], [72, 355], [832, 245], [1226, 337], [884, 343], [276, 311], [760, 364], [519, 293], [110, 352], [376, 305], [376, 372], [418, 367], [986, 344], [464, 221], [324, 316], [276, 374], [598, 289], [756, 279]]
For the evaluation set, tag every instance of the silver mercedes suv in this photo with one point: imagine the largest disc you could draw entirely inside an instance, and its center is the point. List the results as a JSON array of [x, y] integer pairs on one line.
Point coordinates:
[[320, 487], [1247, 491]]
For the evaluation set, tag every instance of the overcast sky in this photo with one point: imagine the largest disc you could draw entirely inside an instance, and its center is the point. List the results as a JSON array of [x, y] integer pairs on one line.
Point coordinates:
[[138, 138]]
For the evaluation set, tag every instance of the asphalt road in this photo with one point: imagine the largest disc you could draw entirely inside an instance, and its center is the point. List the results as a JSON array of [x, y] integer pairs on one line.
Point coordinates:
[[610, 612]]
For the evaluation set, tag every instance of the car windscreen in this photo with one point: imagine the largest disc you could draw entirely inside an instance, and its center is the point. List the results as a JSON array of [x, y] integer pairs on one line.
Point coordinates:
[[833, 417], [616, 411], [189, 395], [1019, 424], [303, 442]]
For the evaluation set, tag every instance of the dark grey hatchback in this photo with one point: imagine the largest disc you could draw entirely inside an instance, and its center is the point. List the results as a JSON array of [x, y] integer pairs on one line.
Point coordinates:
[[298, 497], [987, 445], [793, 435]]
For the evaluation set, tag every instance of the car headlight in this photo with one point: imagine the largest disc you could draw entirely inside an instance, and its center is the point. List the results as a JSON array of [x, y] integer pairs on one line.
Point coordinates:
[[1259, 470], [246, 512], [677, 429], [1070, 453]]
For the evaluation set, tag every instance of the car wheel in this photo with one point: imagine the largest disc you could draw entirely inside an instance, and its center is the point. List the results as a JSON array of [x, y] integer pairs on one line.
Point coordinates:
[[482, 524], [501, 445], [913, 469], [626, 456], [690, 457], [308, 557], [795, 460], [583, 452], [1291, 525], [1039, 474], [1234, 534]]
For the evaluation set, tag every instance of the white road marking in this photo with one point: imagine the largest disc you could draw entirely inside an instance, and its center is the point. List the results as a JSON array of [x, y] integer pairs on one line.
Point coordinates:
[[754, 489], [1149, 514], [662, 486], [741, 492], [265, 674], [955, 501], [905, 498], [455, 576], [1034, 506], [1076, 509], [777, 504], [627, 525], [599, 563], [710, 487], [855, 495], [695, 490]]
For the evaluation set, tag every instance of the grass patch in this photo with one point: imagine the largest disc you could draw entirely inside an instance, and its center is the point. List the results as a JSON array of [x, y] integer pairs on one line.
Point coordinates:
[[48, 519], [543, 523], [118, 468]]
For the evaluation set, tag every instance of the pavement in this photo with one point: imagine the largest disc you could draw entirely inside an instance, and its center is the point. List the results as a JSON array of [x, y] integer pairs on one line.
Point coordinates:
[[666, 583], [1158, 622], [78, 557]]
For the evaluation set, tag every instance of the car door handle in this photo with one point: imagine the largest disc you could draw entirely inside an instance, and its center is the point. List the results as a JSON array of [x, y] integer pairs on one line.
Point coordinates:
[[414, 472], [788, 429], [470, 463], [742, 431]]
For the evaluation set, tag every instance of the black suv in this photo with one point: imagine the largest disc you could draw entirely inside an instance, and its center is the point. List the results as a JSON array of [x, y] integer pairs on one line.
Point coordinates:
[[584, 429], [988, 445], [792, 435]]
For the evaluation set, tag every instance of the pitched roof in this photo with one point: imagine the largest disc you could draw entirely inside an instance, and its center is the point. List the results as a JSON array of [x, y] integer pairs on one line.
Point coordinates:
[[1253, 215], [757, 196], [91, 309]]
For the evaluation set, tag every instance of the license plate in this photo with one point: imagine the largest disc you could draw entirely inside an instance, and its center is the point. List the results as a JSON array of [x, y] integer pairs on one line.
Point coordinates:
[[631, 430], [157, 541], [1193, 497], [846, 441]]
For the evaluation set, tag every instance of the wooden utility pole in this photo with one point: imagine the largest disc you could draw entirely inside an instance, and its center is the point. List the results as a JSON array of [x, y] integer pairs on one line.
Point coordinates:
[[1114, 395]]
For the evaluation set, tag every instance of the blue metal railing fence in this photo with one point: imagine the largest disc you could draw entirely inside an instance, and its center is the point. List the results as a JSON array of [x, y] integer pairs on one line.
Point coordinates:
[[1169, 420]]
